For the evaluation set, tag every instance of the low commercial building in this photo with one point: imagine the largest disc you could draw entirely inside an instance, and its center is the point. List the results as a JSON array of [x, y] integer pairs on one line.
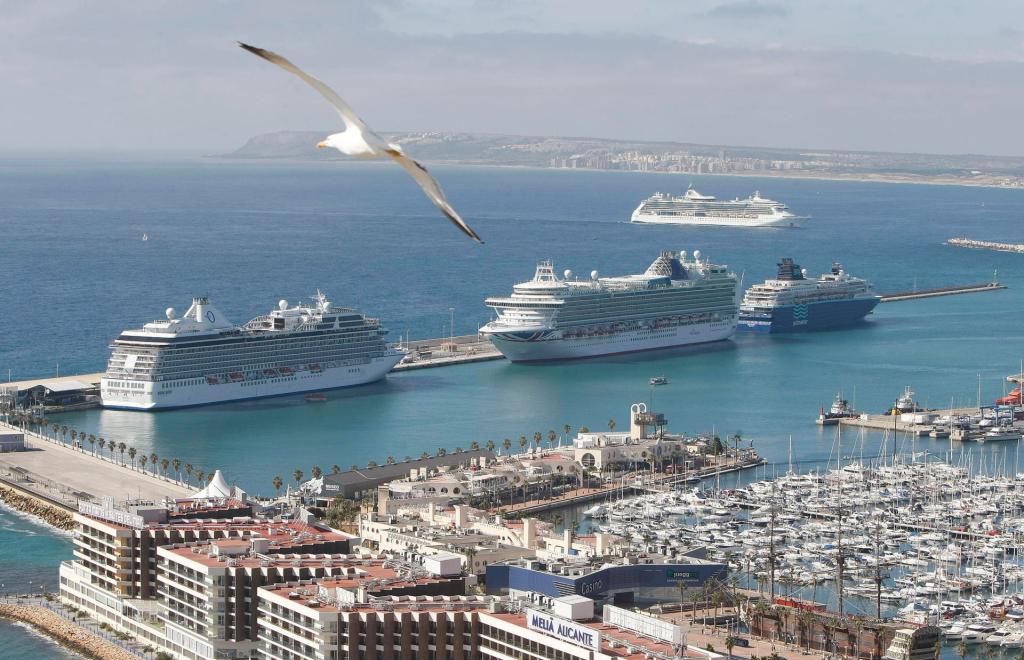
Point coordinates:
[[363, 482], [631, 580]]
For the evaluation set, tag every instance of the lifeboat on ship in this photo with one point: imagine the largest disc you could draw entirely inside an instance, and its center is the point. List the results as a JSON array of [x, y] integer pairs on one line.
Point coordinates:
[[212, 380]]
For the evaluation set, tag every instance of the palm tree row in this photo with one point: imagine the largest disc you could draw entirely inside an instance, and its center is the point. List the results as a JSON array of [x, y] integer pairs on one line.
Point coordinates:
[[158, 466]]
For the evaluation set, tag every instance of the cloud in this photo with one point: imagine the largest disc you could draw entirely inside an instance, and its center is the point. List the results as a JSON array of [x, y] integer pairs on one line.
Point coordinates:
[[157, 75], [748, 10]]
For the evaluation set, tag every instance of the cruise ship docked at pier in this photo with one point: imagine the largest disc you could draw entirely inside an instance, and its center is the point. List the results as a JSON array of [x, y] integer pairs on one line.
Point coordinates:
[[676, 302], [202, 358], [693, 208], [792, 302]]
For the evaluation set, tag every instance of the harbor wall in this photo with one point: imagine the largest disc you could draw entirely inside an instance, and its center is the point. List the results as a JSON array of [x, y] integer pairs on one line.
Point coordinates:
[[65, 632], [27, 503]]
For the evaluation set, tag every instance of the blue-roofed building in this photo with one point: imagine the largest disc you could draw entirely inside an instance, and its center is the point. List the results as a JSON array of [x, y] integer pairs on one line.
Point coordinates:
[[640, 580]]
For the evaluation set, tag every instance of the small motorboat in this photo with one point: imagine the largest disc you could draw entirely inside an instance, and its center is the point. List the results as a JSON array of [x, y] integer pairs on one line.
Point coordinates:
[[316, 397], [659, 380]]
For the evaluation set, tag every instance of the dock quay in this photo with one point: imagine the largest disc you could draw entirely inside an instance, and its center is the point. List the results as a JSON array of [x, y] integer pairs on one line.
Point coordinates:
[[626, 485], [963, 241], [447, 351], [894, 423], [83, 476], [942, 291]]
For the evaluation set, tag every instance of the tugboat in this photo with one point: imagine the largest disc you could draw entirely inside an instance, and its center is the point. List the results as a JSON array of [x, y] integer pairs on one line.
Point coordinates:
[[905, 404], [840, 410]]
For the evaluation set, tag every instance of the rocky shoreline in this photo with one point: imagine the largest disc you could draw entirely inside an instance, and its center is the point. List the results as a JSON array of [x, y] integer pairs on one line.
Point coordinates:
[[63, 631], [49, 513]]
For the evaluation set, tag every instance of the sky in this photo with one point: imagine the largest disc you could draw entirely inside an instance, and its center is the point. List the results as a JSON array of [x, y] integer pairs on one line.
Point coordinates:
[[904, 76]]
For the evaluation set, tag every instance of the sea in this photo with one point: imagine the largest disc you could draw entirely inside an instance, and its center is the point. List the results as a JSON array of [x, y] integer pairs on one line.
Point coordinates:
[[248, 233]]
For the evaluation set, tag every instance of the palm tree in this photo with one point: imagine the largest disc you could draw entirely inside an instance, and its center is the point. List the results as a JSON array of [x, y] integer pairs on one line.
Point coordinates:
[[177, 467], [537, 437], [316, 472], [277, 483], [152, 461], [611, 424], [390, 460], [507, 444], [457, 450], [441, 451], [730, 642], [474, 446], [424, 456], [490, 445], [64, 431], [121, 447], [74, 436], [142, 461], [523, 442], [188, 471], [371, 464], [566, 430], [552, 437], [164, 464], [335, 469], [92, 443], [199, 476], [353, 467], [297, 475], [131, 455], [584, 429], [102, 443]]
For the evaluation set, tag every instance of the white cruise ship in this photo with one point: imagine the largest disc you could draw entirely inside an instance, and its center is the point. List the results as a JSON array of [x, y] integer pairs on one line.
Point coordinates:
[[202, 358], [676, 302], [693, 208]]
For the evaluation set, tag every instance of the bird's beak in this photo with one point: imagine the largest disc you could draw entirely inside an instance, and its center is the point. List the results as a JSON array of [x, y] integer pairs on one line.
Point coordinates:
[[322, 145]]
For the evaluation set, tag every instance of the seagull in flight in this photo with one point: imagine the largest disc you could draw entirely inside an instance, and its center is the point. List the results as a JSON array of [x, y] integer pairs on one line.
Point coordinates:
[[359, 140]]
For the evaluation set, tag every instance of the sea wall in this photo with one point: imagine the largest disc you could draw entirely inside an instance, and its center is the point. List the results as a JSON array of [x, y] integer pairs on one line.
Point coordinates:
[[67, 633], [24, 502]]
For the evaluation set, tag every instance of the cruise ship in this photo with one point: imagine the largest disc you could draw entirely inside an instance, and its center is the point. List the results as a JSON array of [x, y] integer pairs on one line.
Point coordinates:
[[676, 302], [693, 208], [792, 302], [202, 358]]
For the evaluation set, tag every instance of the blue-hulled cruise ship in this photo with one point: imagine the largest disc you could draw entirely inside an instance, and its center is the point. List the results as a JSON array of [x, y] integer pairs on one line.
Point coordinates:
[[791, 302]]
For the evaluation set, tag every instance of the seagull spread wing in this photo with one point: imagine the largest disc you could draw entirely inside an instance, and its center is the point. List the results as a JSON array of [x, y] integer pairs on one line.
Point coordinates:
[[432, 189], [348, 115]]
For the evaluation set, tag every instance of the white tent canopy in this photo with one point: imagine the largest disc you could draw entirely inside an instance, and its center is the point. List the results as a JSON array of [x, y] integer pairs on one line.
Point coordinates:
[[216, 489]]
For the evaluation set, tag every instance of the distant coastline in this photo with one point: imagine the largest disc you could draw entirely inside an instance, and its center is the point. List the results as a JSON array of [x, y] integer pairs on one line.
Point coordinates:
[[595, 154]]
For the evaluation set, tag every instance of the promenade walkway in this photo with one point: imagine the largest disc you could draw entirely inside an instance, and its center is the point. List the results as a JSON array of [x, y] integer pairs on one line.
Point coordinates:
[[66, 474]]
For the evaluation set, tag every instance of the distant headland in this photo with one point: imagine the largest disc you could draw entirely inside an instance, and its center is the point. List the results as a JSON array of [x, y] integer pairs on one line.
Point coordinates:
[[605, 154]]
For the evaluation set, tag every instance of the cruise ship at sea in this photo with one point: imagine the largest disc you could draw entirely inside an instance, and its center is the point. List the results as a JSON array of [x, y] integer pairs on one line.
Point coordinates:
[[202, 358], [693, 208], [792, 302], [678, 300]]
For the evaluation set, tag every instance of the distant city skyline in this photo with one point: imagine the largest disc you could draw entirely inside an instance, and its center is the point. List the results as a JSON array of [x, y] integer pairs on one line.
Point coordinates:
[[913, 76]]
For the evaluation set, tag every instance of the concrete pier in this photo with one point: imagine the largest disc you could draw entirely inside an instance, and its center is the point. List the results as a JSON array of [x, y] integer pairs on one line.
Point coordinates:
[[64, 475], [892, 422], [942, 291]]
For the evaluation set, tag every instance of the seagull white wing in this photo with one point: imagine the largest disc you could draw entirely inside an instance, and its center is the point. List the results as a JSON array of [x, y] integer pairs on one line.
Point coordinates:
[[348, 115], [433, 190]]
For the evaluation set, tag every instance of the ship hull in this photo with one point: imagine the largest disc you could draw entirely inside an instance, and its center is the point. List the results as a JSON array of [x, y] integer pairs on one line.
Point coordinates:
[[541, 347], [811, 316], [782, 221], [152, 396]]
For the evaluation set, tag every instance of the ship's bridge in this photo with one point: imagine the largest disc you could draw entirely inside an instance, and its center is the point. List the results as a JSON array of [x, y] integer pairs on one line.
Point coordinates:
[[202, 317]]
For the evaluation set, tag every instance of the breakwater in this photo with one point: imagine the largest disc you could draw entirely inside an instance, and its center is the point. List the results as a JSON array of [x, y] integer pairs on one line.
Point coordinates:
[[49, 512], [965, 242], [942, 291], [66, 632]]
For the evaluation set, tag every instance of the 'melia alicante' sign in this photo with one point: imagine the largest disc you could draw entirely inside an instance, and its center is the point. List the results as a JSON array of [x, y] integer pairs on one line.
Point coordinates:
[[566, 631]]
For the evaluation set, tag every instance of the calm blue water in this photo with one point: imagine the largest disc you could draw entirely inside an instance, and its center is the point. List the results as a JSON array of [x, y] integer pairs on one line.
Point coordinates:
[[248, 234], [29, 555]]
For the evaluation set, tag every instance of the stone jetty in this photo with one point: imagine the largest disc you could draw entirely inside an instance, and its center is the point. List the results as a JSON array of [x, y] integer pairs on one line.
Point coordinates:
[[963, 241], [65, 632], [50, 513]]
